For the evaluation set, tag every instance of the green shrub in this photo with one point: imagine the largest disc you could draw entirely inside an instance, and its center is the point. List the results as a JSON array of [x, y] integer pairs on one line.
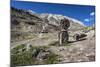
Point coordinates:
[[15, 50], [30, 57], [52, 59], [22, 59]]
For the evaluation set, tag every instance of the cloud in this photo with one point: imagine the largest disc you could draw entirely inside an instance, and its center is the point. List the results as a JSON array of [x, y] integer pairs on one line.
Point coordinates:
[[86, 20], [92, 13], [91, 17]]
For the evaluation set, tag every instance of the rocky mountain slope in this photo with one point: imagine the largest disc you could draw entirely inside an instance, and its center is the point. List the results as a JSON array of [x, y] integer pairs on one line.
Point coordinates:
[[25, 22], [54, 19], [35, 37]]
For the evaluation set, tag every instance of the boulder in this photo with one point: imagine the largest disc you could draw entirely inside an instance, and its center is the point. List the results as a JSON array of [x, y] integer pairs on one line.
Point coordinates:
[[79, 36]]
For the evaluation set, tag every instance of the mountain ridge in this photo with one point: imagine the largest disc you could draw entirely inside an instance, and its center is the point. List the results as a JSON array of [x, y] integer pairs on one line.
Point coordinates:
[[24, 22]]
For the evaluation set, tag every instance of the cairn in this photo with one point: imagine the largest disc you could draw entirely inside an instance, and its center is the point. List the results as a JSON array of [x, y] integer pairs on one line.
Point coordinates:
[[63, 33]]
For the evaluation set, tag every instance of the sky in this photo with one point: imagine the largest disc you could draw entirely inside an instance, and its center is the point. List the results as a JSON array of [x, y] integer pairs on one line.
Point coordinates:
[[83, 13]]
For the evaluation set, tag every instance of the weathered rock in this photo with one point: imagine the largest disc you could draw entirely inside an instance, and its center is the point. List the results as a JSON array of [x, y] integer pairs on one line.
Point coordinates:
[[42, 55], [79, 36]]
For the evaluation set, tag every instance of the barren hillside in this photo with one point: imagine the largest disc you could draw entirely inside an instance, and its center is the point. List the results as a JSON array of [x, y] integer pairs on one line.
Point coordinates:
[[33, 47]]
